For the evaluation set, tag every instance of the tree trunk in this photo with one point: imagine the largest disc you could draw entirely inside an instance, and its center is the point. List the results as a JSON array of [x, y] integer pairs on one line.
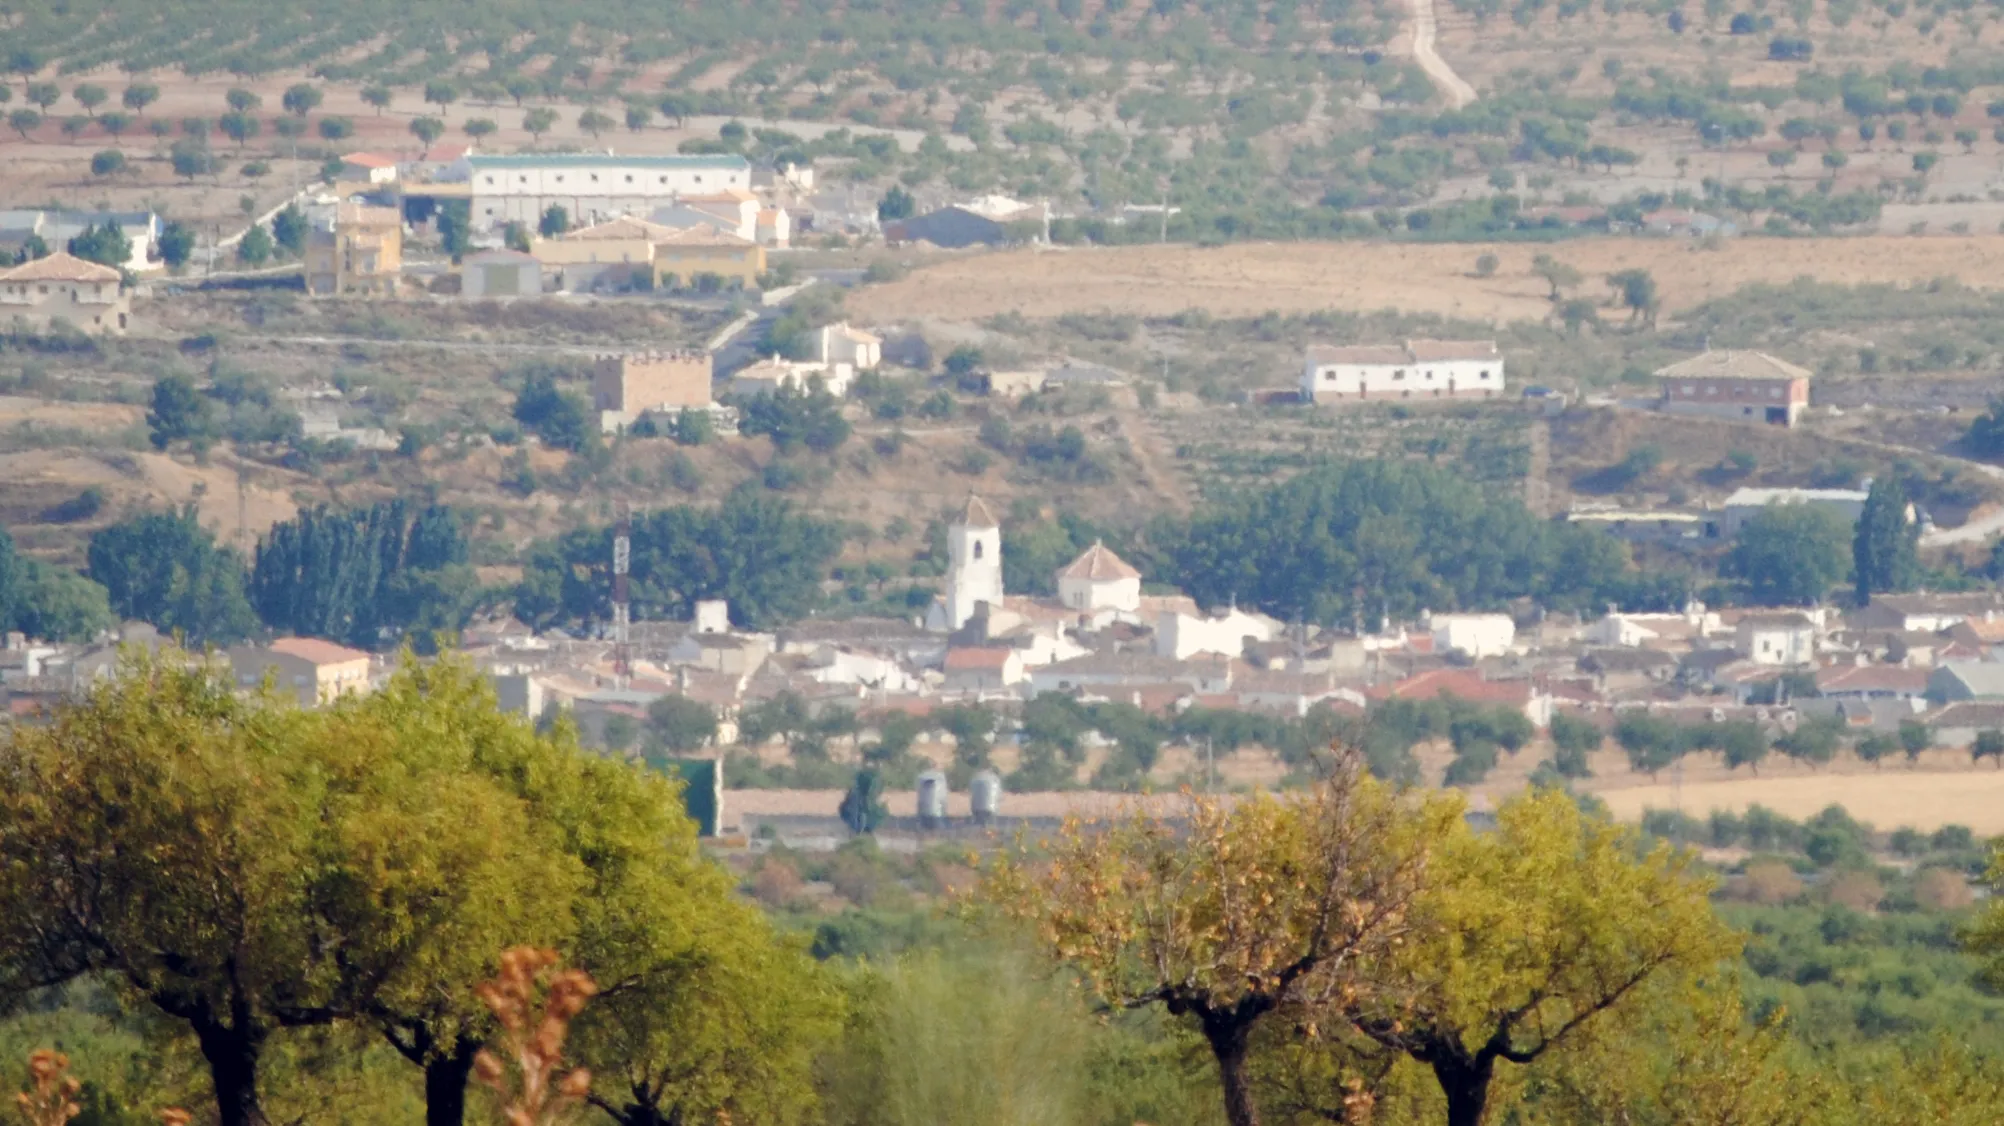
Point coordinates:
[[1465, 1082], [445, 1078], [1228, 1038], [232, 1055]]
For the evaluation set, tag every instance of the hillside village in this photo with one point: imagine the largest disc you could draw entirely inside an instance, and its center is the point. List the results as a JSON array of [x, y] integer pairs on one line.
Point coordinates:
[[1904, 662]]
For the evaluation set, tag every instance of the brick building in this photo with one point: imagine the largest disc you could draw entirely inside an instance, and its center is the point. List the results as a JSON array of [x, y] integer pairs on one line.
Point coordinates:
[[1748, 386]]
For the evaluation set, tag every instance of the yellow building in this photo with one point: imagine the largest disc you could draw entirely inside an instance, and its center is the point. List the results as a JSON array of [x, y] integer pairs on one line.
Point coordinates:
[[361, 252], [608, 255], [613, 254], [682, 257], [316, 671]]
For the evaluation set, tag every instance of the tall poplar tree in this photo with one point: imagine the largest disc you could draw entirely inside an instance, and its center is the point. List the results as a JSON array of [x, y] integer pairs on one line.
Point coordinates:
[[1885, 551]]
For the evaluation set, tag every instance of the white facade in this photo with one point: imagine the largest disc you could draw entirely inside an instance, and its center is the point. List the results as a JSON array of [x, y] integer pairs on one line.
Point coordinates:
[[767, 377], [840, 344], [1473, 635], [713, 615], [591, 186], [1417, 369], [1183, 636], [1122, 594], [974, 564], [1776, 639], [1099, 580]]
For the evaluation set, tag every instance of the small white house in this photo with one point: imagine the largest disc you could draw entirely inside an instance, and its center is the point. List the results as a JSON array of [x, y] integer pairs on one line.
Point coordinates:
[[1099, 580], [1776, 639], [1473, 635], [1416, 369], [767, 376], [840, 344]]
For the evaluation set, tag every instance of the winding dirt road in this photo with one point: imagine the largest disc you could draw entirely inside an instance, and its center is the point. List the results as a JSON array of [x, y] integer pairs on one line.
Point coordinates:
[[1451, 85]]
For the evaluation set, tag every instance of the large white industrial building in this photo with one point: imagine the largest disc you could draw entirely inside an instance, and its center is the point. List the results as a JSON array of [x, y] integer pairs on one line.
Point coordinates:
[[592, 187]]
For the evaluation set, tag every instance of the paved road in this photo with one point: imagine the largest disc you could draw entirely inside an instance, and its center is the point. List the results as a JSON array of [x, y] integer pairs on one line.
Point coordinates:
[[1451, 85]]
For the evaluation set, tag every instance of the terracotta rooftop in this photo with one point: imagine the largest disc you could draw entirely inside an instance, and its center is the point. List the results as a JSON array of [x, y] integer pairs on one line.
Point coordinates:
[[699, 235], [624, 227], [317, 651], [60, 266], [972, 657], [977, 515], [1731, 364], [1099, 565], [1411, 352]]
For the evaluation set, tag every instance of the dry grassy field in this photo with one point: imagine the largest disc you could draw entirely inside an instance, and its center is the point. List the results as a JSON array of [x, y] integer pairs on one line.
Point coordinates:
[[1924, 801], [1248, 279]]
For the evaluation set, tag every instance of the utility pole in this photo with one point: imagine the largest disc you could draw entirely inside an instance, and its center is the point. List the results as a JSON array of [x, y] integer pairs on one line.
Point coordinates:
[[1162, 232], [243, 507], [622, 561]]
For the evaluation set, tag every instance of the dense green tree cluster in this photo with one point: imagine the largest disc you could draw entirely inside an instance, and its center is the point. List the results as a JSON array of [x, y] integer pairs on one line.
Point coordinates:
[[47, 601], [560, 417], [166, 569], [1790, 555], [794, 418], [766, 558], [366, 577], [1352, 542]]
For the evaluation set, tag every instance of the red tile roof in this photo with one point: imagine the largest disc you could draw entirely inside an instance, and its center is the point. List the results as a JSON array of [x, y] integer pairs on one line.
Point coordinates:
[[60, 266], [1099, 565], [977, 657], [317, 651], [1459, 683]]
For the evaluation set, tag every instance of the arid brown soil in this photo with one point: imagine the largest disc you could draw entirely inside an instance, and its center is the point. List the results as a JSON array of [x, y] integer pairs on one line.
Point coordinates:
[[1252, 278]]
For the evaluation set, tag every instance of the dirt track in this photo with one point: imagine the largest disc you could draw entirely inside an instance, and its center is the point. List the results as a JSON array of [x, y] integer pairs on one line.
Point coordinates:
[[1451, 85], [1251, 278]]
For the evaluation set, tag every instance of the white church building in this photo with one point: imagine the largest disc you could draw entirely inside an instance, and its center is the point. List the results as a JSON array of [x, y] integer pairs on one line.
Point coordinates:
[[1096, 590]]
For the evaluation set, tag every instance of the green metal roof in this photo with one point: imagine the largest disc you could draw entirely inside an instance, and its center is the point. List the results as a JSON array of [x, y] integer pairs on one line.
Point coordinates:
[[606, 160]]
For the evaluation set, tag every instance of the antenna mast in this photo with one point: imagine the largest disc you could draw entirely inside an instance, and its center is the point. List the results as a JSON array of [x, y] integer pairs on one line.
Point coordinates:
[[622, 561]]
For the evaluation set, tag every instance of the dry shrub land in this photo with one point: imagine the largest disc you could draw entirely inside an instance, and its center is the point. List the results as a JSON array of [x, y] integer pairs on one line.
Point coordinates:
[[1415, 278]]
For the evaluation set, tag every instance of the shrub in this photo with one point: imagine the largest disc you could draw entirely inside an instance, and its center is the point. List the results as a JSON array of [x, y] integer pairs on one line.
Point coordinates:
[[1768, 882]]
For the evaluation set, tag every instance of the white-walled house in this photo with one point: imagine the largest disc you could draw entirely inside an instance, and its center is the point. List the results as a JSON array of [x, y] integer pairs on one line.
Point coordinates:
[[1416, 369], [1776, 639], [841, 344], [1099, 580], [1473, 635], [1182, 636]]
